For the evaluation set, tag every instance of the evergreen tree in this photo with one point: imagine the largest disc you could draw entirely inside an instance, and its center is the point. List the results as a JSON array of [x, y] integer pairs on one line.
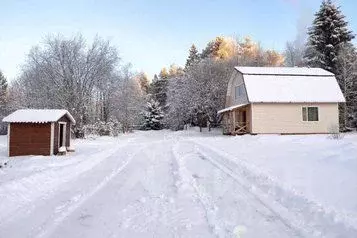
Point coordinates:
[[193, 57], [158, 90], [327, 36], [153, 116], [212, 48], [328, 32]]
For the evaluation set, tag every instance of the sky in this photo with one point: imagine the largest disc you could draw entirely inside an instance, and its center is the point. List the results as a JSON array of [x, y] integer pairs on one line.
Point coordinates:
[[153, 34]]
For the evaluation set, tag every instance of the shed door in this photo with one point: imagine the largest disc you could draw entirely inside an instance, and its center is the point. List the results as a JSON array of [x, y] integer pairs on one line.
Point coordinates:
[[62, 135]]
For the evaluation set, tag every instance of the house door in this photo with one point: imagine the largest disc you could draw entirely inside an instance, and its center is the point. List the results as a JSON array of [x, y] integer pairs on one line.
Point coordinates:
[[62, 135]]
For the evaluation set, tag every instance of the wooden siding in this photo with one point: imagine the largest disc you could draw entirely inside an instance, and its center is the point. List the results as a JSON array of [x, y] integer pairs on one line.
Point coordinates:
[[286, 118], [236, 80], [29, 139]]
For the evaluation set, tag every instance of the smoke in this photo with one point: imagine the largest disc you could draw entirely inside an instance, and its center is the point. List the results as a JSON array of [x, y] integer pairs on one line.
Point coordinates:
[[304, 21]]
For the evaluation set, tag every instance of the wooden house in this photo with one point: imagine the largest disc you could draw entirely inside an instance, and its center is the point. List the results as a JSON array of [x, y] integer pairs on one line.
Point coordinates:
[[281, 100]]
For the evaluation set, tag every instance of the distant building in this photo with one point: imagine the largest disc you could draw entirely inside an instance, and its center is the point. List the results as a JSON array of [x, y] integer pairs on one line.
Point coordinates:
[[39, 132], [281, 100]]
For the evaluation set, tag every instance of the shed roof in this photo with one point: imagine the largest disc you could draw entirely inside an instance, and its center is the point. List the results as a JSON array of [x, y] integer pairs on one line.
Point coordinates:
[[302, 71], [37, 116]]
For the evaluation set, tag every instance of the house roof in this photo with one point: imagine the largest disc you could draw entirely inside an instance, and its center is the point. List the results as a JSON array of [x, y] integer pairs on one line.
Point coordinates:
[[37, 116], [297, 71], [231, 108], [290, 85], [292, 89]]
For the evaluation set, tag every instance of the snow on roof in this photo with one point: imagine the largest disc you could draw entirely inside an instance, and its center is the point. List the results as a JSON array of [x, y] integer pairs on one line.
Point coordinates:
[[273, 88], [231, 108], [37, 116], [284, 71]]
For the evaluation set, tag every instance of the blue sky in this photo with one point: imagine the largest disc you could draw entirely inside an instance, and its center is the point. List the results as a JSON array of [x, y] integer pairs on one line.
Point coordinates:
[[153, 34]]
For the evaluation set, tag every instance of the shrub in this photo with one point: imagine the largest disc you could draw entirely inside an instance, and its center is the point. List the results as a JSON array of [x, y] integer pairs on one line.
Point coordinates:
[[101, 128], [334, 132]]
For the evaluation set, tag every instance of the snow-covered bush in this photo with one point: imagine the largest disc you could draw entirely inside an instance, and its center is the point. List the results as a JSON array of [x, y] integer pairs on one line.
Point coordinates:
[[334, 132], [153, 116], [101, 128]]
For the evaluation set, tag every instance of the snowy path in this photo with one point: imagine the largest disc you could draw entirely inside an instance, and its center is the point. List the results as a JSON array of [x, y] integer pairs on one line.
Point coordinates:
[[153, 185]]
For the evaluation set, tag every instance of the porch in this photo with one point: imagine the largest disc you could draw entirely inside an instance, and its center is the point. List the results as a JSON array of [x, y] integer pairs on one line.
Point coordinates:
[[236, 120]]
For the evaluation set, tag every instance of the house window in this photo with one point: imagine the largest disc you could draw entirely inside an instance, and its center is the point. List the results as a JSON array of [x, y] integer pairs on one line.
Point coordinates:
[[310, 113], [238, 91]]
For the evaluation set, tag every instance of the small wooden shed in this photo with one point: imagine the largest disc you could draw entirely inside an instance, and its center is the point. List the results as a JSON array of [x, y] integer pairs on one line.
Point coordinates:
[[39, 132]]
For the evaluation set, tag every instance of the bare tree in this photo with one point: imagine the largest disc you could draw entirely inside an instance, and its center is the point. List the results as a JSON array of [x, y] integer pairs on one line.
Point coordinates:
[[294, 53], [63, 72], [128, 101], [347, 75]]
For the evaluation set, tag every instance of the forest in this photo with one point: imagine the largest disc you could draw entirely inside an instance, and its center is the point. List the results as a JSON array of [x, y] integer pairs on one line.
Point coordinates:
[[107, 97]]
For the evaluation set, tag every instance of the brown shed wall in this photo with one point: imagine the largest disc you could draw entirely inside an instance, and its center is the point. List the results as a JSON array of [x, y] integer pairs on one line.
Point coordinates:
[[29, 139]]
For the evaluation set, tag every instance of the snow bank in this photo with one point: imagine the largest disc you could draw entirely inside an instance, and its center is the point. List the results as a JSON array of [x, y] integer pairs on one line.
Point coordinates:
[[315, 167]]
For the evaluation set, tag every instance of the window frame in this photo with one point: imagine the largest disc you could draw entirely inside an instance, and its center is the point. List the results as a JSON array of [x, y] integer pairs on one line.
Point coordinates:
[[305, 113], [240, 91]]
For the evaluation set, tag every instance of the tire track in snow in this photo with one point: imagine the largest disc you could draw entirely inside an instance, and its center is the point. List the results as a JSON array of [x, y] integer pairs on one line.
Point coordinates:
[[297, 212], [80, 199], [18, 196], [188, 183], [295, 230]]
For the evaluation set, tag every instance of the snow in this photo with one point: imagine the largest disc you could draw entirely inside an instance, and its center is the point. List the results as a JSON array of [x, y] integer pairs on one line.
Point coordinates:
[[302, 71], [184, 184], [297, 89], [231, 108], [37, 116]]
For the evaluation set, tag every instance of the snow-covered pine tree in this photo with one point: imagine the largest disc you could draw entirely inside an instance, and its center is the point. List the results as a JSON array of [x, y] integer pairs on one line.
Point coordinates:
[[158, 90], [153, 116], [193, 57], [212, 48], [328, 32]]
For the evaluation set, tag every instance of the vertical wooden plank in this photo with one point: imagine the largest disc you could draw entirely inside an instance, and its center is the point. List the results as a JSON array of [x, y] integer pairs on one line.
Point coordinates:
[[8, 139], [234, 120], [52, 138]]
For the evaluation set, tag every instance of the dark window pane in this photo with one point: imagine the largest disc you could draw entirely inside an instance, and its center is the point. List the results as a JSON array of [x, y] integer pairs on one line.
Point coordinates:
[[313, 114]]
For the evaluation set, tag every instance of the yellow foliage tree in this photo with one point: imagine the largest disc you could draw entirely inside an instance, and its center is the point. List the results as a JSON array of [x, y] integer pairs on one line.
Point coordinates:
[[273, 58], [175, 70], [163, 73], [248, 48], [227, 48]]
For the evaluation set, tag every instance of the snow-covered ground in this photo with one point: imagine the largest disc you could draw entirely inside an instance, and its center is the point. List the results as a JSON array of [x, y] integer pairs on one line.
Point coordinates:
[[184, 184]]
